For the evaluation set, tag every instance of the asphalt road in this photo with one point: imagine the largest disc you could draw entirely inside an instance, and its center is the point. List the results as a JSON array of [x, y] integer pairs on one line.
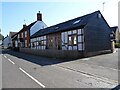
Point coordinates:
[[21, 70]]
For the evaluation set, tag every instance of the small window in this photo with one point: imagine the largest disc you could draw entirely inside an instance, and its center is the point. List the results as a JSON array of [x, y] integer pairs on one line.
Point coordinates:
[[21, 35], [25, 33], [76, 22], [25, 43], [69, 32], [74, 31], [79, 31], [18, 36]]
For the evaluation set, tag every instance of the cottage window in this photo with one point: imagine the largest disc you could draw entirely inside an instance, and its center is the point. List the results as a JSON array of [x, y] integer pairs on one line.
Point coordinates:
[[21, 35], [25, 43], [18, 36], [25, 33]]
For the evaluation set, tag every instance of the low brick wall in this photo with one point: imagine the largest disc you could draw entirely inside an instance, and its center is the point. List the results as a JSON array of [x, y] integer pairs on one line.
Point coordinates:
[[62, 54]]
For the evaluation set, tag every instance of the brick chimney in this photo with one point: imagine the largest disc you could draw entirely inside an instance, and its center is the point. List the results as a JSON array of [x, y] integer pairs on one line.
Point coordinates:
[[39, 16], [24, 25]]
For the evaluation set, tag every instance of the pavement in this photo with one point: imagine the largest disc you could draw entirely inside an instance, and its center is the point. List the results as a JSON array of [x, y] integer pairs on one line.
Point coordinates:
[[21, 70]]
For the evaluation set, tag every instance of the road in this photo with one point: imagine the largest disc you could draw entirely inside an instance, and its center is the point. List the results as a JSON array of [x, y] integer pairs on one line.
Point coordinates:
[[21, 70]]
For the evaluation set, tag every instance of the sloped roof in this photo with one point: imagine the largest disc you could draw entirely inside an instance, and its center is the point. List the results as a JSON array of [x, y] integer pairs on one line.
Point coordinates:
[[114, 28], [12, 33], [78, 22], [29, 26]]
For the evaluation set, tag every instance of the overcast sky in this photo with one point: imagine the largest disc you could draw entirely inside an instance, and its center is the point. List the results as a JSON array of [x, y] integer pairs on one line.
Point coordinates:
[[13, 14]]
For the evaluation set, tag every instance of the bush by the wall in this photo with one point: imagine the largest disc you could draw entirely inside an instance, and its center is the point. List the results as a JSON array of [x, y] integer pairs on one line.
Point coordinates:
[[117, 45]]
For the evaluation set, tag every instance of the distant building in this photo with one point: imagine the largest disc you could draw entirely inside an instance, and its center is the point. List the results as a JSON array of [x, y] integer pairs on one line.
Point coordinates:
[[116, 34], [7, 41], [22, 38], [1, 38], [87, 35]]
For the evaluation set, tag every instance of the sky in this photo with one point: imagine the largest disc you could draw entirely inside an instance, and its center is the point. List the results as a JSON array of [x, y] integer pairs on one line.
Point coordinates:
[[13, 14]]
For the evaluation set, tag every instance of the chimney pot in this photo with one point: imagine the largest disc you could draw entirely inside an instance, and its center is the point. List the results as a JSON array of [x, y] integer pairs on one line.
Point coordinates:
[[39, 16], [24, 25]]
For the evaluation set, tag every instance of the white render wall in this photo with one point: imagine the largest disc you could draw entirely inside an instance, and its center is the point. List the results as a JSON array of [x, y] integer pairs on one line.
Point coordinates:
[[7, 42], [0, 42], [37, 26]]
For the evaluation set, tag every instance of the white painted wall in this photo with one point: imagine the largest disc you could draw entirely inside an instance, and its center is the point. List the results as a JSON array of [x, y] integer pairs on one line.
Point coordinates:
[[0, 42], [7, 42], [37, 26]]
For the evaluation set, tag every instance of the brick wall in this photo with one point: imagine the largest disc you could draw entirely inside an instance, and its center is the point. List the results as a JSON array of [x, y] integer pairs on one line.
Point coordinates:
[[62, 54]]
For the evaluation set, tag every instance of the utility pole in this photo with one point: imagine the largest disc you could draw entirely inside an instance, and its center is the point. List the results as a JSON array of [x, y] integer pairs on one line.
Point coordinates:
[[24, 22], [103, 6]]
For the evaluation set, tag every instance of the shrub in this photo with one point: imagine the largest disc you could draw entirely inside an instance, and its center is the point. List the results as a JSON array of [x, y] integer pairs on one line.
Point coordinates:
[[117, 45]]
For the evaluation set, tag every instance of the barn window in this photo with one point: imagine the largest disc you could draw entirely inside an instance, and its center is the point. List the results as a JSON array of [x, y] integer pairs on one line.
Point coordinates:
[[75, 39], [70, 40], [33, 45]]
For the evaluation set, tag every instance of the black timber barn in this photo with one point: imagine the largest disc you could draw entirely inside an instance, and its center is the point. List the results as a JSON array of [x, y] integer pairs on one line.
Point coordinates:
[[80, 37]]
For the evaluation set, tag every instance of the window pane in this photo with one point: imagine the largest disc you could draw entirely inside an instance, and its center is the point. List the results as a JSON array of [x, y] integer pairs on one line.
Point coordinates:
[[70, 40], [80, 47], [79, 38], [75, 39], [79, 31], [74, 31], [69, 32], [66, 37]]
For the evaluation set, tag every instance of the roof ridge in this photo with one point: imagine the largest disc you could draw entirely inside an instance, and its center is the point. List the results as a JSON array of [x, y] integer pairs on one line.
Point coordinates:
[[73, 23], [76, 18]]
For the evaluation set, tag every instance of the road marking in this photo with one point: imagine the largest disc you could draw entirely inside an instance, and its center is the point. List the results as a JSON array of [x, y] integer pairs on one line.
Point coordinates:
[[32, 78], [5, 56], [85, 59], [101, 66], [104, 79], [11, 61]]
